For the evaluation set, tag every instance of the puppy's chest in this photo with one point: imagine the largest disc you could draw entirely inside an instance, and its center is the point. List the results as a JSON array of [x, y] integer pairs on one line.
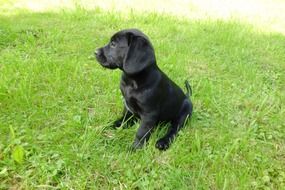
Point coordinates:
[[131, 98]]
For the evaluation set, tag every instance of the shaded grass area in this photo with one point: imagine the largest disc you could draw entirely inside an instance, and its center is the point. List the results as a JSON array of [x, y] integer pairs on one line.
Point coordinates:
[[56, 103]]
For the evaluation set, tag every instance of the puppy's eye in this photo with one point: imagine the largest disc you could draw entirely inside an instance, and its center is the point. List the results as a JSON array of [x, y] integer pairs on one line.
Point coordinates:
[[113, 44]]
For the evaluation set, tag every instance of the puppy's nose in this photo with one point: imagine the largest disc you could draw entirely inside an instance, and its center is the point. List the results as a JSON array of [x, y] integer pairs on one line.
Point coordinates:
[[97, 52]]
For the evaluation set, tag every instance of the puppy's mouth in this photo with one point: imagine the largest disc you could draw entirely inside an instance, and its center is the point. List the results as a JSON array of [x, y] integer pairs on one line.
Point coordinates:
[[109, 65], [103, 61]]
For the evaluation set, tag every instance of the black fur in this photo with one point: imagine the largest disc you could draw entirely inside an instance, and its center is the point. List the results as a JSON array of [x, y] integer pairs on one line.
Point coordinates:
[[149, 94]]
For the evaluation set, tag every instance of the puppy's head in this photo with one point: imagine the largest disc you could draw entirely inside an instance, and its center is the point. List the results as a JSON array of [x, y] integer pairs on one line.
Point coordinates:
[[129, 50]]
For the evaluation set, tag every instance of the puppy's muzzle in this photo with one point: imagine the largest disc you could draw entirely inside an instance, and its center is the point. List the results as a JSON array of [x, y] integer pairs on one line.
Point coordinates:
[[97, 52]]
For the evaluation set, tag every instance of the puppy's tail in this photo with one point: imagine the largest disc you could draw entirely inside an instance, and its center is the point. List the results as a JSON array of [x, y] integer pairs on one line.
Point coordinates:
[[188, 88]]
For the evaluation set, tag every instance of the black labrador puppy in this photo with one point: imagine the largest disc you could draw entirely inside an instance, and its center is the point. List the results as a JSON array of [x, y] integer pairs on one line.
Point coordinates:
[[148, 93]]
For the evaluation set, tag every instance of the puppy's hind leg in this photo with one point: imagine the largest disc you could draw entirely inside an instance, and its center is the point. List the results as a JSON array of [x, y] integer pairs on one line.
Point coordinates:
[[127, 119], [176, 125]]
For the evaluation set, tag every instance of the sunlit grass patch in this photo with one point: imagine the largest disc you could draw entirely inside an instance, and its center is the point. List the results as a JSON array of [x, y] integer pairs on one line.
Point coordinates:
[[267, 15]]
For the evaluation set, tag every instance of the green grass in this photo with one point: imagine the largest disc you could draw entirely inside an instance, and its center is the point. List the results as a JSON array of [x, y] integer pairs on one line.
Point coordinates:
[[56, 103]]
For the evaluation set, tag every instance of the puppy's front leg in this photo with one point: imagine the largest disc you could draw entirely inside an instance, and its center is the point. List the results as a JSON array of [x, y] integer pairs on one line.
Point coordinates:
[[143, 133]]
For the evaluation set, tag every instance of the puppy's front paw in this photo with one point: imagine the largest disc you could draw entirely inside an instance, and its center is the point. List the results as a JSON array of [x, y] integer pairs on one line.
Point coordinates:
[[116, 124], [136, 145], [162, 144]]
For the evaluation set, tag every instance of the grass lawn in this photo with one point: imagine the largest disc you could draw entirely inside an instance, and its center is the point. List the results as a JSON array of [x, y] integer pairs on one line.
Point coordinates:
[[56, 103]]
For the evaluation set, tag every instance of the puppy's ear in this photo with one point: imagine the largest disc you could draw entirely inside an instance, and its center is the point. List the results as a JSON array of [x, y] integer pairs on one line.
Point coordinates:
[[139, 56]]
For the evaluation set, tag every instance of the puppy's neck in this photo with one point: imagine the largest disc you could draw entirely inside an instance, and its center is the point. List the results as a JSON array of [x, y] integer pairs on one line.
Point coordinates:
[[146, 76]]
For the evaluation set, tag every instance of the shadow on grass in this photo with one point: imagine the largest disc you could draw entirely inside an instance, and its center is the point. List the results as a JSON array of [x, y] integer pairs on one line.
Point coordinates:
[[52, 93]]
